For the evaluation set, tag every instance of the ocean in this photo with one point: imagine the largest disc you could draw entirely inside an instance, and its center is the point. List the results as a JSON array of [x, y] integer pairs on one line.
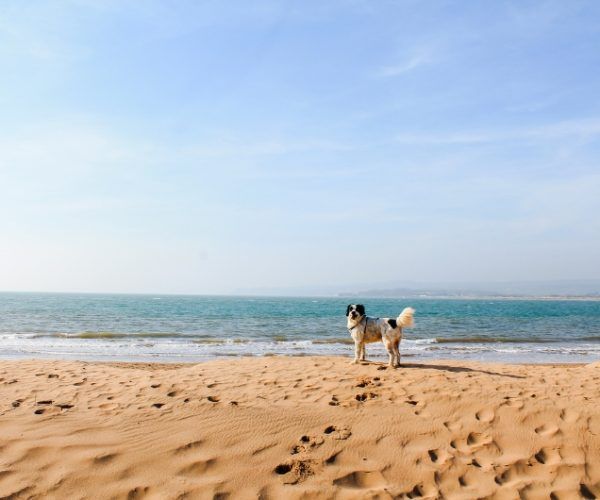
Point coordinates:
[[173, 328]]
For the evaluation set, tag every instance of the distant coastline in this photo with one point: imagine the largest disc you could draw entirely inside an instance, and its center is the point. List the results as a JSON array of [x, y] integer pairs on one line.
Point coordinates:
[[568, 289], [586, 298]]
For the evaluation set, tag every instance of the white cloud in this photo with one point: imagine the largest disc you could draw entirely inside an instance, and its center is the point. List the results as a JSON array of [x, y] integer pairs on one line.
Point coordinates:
[[419, 58], [586, 128], [40, 32]]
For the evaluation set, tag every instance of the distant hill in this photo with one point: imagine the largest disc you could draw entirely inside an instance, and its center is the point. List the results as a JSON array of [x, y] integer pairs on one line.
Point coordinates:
[[562, 288], [556, 288]]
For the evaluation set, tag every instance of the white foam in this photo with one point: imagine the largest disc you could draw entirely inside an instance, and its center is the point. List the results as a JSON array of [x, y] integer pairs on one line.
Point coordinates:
[[182, 348]]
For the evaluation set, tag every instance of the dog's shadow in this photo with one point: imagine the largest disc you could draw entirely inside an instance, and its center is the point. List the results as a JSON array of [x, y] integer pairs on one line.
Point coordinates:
[[448, 368]]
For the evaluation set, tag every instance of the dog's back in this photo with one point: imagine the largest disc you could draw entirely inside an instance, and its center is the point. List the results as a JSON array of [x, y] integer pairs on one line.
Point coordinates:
[[377, 328]]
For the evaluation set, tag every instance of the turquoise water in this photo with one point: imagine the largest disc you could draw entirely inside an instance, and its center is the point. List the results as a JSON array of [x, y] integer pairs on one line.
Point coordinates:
[[192, 328]]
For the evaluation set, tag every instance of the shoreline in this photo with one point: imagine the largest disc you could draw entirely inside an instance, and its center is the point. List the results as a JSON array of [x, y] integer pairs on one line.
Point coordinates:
[[382, 362], [282, 427]]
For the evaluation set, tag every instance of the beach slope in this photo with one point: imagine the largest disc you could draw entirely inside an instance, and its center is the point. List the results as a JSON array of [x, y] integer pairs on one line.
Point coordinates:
[[298, 427]]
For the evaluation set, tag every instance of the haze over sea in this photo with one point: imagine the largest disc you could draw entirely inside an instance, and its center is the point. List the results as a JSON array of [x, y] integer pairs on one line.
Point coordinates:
[[196, 328]]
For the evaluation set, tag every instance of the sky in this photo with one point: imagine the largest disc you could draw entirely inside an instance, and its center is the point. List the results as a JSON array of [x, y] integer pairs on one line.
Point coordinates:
[[217, 146]]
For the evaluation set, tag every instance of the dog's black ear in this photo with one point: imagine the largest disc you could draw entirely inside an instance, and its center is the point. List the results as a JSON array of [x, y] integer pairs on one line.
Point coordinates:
[[348, 309], [361, 309]]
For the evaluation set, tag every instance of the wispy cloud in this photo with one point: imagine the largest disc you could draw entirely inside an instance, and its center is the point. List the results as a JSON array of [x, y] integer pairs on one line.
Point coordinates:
[[39, 32], [233, 147], [586, 128], [418, 58]]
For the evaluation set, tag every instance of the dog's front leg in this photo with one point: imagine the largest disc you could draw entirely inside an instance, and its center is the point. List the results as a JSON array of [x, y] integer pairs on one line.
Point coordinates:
[[363, 352], [357, 349]]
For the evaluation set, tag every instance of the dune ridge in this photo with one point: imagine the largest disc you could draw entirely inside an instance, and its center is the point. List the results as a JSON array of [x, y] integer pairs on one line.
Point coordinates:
[[302, 427]]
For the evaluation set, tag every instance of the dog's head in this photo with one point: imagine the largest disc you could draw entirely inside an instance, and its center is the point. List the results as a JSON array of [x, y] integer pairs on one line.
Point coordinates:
[[355, 311]]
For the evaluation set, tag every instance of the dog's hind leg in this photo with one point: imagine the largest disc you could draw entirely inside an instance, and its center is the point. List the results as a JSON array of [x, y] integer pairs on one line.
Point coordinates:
[[363, 352], [396, 347], [390, 349]]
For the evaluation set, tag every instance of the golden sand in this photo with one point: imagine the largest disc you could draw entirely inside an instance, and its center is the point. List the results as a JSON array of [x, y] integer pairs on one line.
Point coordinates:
[[303, 427]]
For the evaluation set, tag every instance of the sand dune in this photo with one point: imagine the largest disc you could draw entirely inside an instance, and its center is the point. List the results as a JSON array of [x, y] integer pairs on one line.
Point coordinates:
[[301, 427]]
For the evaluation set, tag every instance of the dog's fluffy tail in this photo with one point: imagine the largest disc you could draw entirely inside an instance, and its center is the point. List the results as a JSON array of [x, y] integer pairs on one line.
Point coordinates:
[[405, 319]]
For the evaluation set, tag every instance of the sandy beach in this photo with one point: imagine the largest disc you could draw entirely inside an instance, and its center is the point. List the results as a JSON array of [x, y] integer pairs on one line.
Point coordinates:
[[301, 427]]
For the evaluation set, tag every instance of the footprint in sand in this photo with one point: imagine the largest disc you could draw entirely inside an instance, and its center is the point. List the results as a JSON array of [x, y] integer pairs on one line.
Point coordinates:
[[453, 426], [593, 425], [365, 396], [138, 492], [513, 403], [438, 456], [486, 415], [364, 382], [192, 445], [361, 480], [307, 443], [367, 381], [586, 492], [340, 433], [295, 471], [475, 439], [548, 456], [569, 416], [4, 473], [105, 458], [213, 399], [422, 491], [515, 472], [547, 429], [505, 477], [198, 467]]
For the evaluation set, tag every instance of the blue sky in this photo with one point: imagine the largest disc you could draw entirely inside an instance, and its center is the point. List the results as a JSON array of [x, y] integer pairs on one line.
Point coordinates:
[[205, 147]]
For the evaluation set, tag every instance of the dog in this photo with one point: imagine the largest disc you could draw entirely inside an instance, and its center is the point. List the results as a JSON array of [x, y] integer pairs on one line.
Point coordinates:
[[365, 330]]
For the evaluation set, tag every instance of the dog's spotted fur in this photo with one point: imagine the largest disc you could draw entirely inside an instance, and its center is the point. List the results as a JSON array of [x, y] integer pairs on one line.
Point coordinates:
[[365, 330]]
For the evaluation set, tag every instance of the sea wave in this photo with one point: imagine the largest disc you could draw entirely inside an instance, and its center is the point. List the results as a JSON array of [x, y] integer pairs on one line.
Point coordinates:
[[107, 335], [493, 340], [283, 339], [511, 340], [334, 340]]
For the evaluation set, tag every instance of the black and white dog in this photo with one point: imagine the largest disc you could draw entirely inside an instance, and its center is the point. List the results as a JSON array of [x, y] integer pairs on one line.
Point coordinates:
[[365, 330]]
